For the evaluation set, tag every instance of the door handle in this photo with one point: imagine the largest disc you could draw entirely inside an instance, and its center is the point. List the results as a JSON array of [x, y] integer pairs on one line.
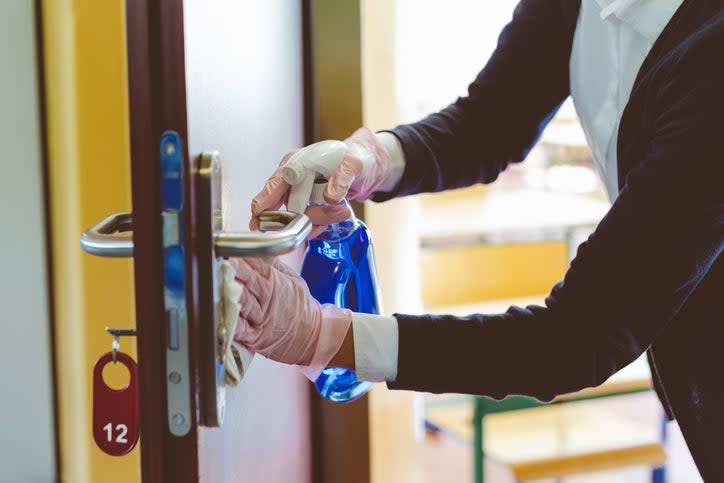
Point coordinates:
[[110, 237], [293, 229], [282, 232]]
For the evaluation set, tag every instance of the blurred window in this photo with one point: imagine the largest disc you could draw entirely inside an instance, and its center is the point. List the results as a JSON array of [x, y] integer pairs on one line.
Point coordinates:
[[514, 237], [440, 48]]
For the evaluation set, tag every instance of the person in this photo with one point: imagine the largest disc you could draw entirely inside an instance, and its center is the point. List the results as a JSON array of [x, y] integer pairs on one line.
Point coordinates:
[[647, 81]]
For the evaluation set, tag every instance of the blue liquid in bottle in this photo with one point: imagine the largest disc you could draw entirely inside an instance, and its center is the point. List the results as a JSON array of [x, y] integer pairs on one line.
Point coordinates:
[[339, 269]]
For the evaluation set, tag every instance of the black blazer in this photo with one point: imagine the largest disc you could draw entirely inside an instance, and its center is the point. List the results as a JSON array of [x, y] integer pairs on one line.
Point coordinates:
[[651, 276]]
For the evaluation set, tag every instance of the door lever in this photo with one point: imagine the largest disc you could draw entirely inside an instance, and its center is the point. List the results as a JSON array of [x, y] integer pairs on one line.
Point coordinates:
[[293, 229], [111, 237]]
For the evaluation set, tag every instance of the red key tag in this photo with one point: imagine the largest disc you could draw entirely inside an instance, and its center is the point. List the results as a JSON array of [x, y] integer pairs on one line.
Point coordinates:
[[115, 411]]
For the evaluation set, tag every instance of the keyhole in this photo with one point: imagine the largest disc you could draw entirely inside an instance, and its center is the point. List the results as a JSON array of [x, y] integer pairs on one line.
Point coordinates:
[[116, 376]]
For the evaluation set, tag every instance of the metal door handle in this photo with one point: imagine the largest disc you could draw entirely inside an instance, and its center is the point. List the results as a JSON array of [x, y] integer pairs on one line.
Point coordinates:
[[293, 230], [111, 237]]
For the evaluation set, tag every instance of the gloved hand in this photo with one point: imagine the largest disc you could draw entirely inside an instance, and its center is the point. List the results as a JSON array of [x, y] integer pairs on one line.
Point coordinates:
[[282, 321], [365, 169]]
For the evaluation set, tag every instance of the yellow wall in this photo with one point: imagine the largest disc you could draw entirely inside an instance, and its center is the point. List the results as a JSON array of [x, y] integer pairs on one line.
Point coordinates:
[[87, 128]]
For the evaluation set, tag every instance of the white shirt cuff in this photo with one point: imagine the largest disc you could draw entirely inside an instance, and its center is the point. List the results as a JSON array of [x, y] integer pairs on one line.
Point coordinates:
[[397, 160], [376, 342]]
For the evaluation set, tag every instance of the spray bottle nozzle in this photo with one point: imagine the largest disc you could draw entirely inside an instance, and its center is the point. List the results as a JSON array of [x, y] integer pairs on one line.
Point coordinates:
[[306, 166]]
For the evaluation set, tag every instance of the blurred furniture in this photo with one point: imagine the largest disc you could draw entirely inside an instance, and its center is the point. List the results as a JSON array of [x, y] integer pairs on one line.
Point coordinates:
[[479, 244], [560, 439], [484, 250], [578, 439], [554, 441]]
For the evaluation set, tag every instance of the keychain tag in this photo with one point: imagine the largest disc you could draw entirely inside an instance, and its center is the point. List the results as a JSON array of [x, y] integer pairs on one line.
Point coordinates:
[[115, 411]]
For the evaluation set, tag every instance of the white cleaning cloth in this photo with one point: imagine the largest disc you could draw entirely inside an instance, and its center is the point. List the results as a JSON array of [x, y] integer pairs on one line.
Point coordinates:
[[236, 357]]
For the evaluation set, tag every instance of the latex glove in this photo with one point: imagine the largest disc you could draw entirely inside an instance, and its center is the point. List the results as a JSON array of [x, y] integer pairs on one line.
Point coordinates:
[[281, 320], [365, 169]]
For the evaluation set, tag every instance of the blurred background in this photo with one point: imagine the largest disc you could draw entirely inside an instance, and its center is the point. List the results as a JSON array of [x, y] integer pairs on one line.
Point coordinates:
[[484, 248], [64, 126]]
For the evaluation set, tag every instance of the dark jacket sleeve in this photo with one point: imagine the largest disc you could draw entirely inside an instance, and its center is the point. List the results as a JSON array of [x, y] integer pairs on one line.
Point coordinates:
[[628, 280], [509, 103]]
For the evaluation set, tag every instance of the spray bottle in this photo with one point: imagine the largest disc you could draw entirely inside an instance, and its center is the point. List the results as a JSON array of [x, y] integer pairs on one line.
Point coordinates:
[[339, 265]]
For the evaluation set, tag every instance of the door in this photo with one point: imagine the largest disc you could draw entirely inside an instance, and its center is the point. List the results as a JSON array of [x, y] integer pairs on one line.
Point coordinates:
[[223, 76], [218, 83]]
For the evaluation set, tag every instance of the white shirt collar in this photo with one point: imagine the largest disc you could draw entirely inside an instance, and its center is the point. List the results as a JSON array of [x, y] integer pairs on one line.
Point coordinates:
[[648, 17]]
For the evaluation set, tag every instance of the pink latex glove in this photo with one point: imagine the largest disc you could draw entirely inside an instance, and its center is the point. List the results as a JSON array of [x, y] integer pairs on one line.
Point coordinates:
[[282, 321], [364, 170]]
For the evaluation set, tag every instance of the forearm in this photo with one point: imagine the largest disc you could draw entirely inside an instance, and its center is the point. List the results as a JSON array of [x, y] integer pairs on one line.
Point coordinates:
[[626, 284], [507, 106], [523, 351], [397, 160]]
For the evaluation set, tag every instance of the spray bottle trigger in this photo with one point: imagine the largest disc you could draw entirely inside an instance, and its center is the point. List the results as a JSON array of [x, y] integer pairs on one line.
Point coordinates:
[[300, 193], [315, 161]]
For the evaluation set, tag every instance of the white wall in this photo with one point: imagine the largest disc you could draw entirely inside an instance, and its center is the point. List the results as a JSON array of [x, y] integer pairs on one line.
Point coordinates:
[[26, 419]]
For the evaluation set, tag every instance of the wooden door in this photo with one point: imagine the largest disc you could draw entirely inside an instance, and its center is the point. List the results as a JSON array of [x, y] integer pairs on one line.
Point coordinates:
[[225, 76]]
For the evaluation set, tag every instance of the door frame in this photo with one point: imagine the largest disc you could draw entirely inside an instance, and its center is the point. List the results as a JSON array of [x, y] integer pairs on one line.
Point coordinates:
[[333, 110], [155, 90], [82, 63]]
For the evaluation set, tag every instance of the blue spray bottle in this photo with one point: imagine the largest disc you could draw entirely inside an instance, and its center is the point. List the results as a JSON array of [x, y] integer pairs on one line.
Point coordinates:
[[339, 265]]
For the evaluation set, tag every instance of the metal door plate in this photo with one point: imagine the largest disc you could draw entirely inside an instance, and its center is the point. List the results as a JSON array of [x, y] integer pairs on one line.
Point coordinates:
[[209, 217], [178, 375]]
